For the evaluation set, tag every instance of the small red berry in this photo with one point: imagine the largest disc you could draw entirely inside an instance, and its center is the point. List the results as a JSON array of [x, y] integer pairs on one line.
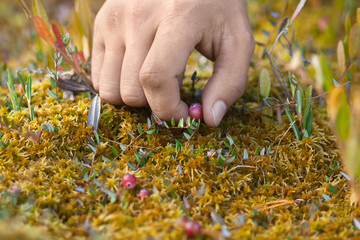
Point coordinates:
[[14, 190], [192, 229], [143, 194], [129, 181], [196, 111]]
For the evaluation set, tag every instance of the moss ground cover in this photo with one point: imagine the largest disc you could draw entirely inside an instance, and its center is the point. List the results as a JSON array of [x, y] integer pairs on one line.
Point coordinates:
[[59, 180]]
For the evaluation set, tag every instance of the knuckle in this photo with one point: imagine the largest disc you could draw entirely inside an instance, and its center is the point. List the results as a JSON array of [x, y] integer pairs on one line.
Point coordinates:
[[113, 18], [111, 98], [134, 98], [150, 79], [139, 11]]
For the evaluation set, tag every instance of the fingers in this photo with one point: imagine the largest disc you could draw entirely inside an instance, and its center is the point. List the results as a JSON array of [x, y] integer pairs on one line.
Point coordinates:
[[229, 78], [163, 65], [109, 85], [97, 58], [131, 90]]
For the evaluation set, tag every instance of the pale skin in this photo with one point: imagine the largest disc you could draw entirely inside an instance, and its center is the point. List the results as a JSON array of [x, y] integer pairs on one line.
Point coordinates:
[[141, 48]]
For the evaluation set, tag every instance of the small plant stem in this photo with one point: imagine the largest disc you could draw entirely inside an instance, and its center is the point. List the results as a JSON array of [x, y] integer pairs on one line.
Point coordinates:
[[276, 75], [134, 140]]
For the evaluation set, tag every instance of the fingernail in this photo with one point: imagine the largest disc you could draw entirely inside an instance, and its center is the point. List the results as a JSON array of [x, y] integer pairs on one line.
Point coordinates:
[[218, 111]]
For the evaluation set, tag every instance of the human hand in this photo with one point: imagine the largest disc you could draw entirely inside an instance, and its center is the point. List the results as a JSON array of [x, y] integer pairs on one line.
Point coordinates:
[[141, 48]]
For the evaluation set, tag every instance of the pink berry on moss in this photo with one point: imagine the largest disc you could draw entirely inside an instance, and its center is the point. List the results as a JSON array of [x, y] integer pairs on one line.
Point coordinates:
[[14, 190], [129, 181], [196, 111], [143, 194], [192, 229]]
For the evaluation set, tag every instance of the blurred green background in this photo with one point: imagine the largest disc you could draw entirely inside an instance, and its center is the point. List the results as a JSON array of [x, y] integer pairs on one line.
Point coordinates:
[[319, 25]]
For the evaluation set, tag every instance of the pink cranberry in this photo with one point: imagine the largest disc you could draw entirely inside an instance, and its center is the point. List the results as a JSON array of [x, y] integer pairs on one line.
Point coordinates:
[[196, 111], [143, 194], [14, 190], [192, 229], [129, 181]]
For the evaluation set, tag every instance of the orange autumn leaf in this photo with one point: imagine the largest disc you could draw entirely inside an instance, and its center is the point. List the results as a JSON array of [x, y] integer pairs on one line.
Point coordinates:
[[44, 31], [58, 37]]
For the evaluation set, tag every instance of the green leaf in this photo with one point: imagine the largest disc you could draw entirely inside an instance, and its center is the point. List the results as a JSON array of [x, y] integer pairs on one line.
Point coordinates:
[[105, 159], [165, 124], [181, 123], [92, 148], [246, 155], [114, 151], [333, 189], [52, 94], [308, 122], [231, 141], [53, 82], [187, 136], [354, 42], [172, 122], [150, 131], [94, 113], [265, 83], [299, 103], [292, 122], [131, 166], [347, 24], [28, 88], [308, 104], [343, 120], [123, 147], [257, 151], [230, 159], [140, 130]]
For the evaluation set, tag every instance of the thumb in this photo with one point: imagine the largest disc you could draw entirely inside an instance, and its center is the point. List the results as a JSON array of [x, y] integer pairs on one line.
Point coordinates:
[[228, 81]]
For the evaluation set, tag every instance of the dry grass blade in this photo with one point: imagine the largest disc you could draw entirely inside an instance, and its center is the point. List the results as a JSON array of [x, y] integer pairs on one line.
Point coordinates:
[[273, 204], [298, 9]]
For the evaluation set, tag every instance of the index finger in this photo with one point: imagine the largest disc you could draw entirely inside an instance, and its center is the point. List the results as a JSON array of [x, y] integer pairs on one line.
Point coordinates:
[[164, 64]]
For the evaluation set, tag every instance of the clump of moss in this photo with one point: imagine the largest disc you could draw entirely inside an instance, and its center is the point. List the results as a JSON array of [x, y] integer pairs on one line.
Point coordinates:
[[80, 193]]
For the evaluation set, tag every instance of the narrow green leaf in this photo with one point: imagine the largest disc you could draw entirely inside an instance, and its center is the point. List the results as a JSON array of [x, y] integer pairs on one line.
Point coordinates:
[[131, 166], [52, 94], [262, 153], [140, 130], [326, 197], [257, 151], [92, 148], [308, 122], [94, 113], [187, 136], [292, 122], [114, 151], [173, 122], [123, 147], [105, 159], [246, 155], [231, 141], [151, 131], [181, 123], [28, 88], [165, 124], [230, 159], [265, 83], [53, 82], [333, 189], [299, 103]]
